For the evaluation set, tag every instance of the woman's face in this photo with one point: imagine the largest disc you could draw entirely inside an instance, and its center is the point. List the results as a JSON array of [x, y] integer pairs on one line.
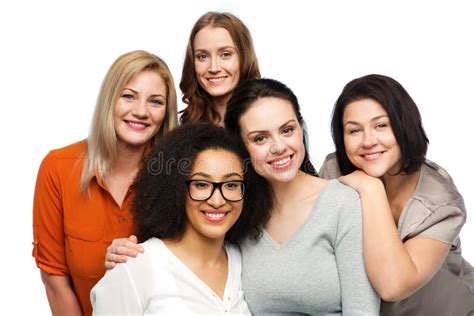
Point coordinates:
[[140, 109], [211, 218], [368, 138], [274, 139], [216, 62]]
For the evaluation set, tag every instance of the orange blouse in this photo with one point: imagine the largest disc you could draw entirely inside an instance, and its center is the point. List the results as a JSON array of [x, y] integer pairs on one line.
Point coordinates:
[[72, 230]]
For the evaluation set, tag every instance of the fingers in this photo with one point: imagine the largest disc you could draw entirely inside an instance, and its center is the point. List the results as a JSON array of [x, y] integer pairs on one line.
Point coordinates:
[[112, 259]]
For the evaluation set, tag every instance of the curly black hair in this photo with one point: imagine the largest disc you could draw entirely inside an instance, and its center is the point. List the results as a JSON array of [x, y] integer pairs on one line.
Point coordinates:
[[160, 188]]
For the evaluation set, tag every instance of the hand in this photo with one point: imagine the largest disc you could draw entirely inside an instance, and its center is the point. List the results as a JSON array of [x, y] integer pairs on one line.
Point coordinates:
[[359, 180], [120, 250]]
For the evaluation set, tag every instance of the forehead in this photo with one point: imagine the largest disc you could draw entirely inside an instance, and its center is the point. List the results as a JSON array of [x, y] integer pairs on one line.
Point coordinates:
[[266, 114], [363, 110], [217, 162], [212, 37], [148, 80]]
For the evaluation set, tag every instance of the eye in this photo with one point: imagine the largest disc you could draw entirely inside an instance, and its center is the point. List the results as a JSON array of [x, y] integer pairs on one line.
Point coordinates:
[[200, 185], [381, 125], [127, 96], [259, 139], [201, 56], [288, 130], [226, 55], [232, 185], [156, 102], [355, 130]]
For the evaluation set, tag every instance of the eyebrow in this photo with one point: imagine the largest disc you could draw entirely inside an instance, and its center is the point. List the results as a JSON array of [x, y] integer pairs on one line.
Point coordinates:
[[373, 119], [205, 175], [199, 50], [153, 95], [264, 131]]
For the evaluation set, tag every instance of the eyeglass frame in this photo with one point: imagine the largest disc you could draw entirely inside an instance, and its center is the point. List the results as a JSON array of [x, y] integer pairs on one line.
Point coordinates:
[[219, 186]]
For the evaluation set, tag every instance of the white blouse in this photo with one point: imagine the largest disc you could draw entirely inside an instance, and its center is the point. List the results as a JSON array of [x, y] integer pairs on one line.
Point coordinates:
[[157, 282]]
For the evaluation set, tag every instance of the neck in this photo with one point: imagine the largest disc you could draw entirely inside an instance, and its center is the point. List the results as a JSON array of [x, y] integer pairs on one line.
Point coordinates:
[[221, 106], [128, 159], [288, 192], [198, 248], [400, 184]]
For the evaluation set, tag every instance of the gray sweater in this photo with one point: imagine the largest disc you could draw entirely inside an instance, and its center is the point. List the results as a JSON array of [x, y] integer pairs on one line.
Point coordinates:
[[319, 270]]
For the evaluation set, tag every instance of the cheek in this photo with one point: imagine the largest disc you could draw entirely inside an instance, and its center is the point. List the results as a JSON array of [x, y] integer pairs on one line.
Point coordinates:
[[158, 115], [199, 69]]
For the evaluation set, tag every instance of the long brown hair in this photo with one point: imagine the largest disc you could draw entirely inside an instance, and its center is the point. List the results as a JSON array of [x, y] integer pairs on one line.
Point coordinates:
[[201, 106]]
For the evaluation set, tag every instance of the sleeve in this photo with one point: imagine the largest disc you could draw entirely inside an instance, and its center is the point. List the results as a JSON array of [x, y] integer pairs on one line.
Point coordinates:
[[116, 294], [330, 169], [358, 296], [48, 227], [443, 223]]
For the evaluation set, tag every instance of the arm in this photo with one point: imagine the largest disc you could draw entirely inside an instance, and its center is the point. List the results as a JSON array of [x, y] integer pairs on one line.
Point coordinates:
[[48, 231], [358, 295], [116, 293], [396, 269], [61, 297], [120, 250]]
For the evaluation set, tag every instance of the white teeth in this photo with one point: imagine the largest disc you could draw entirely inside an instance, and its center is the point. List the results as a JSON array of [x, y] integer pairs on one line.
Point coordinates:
[[281, 162], [372, 156], [215, 80], [215, 215], [136, 125]]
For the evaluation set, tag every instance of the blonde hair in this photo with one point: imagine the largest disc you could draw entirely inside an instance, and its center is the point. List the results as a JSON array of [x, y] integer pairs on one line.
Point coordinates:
[[201, 106], [102, 143]]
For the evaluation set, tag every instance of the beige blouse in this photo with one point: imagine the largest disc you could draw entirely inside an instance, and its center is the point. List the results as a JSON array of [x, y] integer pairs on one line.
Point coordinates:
[[435, 210]]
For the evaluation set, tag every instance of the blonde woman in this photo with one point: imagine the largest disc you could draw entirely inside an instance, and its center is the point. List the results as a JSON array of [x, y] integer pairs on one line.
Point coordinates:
[[83, 191]]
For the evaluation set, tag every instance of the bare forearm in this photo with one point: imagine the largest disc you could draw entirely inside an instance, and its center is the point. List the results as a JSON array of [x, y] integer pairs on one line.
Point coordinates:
[[389, 265], [61, 297]]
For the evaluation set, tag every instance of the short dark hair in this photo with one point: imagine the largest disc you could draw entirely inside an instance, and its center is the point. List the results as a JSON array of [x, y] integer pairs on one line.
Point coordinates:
[[252, 90], [160, 189], [402, 111]]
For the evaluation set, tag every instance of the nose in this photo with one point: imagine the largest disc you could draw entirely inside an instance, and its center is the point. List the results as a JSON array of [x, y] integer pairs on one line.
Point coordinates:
[[214, 66], [140, 110], [216, 200], [369, 139], [277, 147]]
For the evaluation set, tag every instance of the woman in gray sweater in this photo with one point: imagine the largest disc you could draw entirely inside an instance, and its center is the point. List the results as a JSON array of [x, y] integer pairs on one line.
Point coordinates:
[[309, 259]]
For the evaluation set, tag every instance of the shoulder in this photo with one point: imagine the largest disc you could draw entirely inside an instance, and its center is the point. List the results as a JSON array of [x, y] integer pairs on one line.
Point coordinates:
[[72, 151], [436, 209], [340, 193], [233, 251], [330, 168], [437, 184], [65, 155], [339, 204]]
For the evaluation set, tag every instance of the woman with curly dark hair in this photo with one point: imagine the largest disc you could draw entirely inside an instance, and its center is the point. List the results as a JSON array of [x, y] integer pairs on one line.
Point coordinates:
[[188, 211]]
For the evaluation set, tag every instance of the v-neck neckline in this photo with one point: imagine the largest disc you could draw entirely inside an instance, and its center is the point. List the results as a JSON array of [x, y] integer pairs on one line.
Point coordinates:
[[197, 278], [276, 245]]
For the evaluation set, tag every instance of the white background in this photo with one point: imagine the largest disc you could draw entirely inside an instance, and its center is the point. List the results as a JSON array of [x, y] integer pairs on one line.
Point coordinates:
[[54, 55]]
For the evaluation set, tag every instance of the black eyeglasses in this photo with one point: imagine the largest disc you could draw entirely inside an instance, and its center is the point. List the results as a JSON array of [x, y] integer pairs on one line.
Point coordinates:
[[202, 190]]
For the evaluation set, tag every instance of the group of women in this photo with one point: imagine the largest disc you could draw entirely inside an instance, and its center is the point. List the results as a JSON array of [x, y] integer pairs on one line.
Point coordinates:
[[236, 220]]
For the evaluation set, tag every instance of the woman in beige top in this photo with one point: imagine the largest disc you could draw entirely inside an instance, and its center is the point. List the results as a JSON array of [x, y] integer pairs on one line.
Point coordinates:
[[412, 211]]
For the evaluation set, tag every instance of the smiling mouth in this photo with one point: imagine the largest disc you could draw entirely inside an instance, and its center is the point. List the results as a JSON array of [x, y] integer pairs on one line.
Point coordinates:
[[216, 79], [372, 156], [215, 216], [281, 163], [136, 125]]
